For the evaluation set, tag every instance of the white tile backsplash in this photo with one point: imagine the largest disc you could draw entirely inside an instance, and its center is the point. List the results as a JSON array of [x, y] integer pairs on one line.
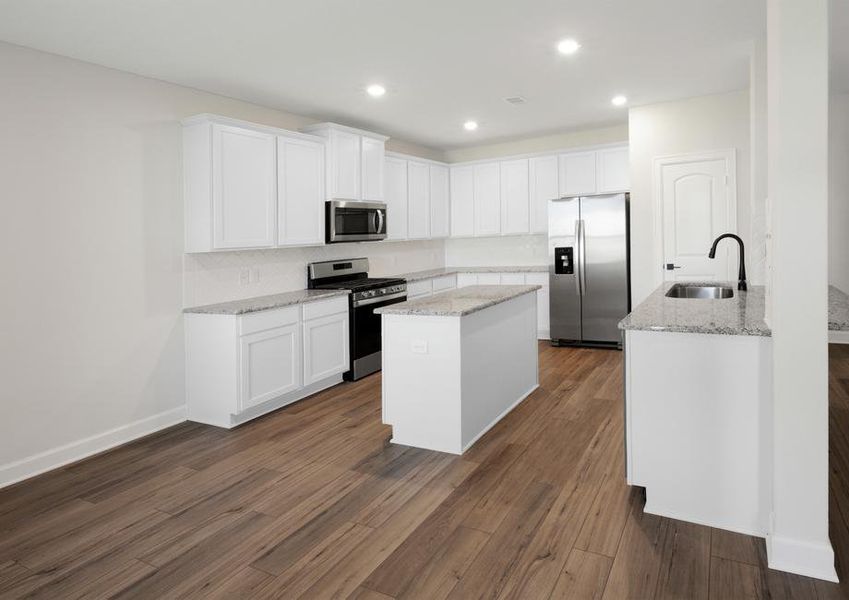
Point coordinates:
[[504, 251], [216, 277]]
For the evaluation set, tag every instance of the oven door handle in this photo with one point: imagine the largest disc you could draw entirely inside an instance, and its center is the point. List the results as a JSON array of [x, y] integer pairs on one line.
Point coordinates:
[[377, 299]]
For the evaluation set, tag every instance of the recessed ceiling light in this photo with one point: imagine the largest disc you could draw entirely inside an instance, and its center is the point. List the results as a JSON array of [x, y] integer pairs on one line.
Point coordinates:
[[376, 90], [568, 46], [470, 125], [619, 100]]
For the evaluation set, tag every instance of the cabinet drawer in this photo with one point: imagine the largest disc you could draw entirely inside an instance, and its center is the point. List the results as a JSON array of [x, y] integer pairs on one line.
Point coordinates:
[[419, 288], [267, 319], [447, 282], [322, 308]]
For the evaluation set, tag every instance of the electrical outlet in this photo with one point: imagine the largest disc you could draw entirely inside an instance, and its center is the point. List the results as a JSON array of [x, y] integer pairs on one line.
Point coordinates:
[[418, 346], [255, 275], [244, 276]]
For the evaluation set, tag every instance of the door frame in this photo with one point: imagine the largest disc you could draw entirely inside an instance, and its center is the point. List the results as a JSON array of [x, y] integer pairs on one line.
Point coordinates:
[[729, 155]]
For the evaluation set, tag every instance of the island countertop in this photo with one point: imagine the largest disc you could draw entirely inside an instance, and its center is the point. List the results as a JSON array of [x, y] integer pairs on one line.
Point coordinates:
[[458, 302], [741, 315]]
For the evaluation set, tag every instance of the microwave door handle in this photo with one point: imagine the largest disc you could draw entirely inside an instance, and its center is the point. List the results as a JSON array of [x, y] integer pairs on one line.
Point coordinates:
[[379, 221]]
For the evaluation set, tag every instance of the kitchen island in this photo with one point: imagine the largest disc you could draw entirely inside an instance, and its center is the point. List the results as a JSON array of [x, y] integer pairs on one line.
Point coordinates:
[[454, 364]]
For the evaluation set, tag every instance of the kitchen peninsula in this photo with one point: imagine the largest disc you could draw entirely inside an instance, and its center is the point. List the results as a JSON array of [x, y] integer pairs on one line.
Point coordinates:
[[454, 364]]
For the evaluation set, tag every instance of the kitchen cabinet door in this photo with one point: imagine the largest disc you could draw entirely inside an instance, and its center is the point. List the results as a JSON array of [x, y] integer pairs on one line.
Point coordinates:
[[577, 173], [372, 160], [542, 187], [325, 347], [300, 192], [270, 364], [487, 196], [418, 186], [440, 206], [515, 217], [462, 201], [395, 196], [244, 195], [543, 308], [345, 165], [489, 279], [613, 170]]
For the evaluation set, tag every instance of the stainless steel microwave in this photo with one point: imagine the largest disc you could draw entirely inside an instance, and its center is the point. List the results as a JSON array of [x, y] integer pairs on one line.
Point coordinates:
[[351, 221]]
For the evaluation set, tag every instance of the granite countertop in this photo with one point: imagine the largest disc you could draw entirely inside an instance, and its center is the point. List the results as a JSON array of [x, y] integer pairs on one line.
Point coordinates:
[[249, 305], [838, 310], [741, 315], [458, 302], [431, 273]]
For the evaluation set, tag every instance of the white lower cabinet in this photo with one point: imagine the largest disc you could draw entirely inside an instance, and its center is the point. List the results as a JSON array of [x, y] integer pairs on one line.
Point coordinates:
[[325, 347], [270, 364], [239, 367]]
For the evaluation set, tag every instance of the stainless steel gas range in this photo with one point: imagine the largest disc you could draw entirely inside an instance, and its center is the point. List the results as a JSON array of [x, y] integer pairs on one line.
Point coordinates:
[[367, 294]]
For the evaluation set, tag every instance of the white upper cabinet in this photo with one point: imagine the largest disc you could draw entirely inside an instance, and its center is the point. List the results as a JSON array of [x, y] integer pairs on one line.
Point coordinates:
[[244, 198], [440, 202], [395, 196], [300, 191], [373, 153], [418, 186], [542, 187], [487, 194], [462, 201], [514, 197], [613, 170], [344, 165], [354, 162], [578, 173]]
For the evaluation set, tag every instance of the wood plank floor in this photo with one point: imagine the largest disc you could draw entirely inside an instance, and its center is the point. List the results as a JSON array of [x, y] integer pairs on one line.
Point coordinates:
[[312, 502]]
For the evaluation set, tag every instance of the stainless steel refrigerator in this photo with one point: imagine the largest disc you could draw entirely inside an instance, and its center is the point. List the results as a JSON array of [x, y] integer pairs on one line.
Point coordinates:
[[588, 269]]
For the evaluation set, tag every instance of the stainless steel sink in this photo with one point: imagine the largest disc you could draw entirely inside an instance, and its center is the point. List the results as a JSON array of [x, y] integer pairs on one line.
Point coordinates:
[[704, 292]]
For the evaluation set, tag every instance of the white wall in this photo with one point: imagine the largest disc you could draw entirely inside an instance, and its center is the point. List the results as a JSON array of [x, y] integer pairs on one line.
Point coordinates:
[[215, 277], [838, 192], [694, 125], [91, 341], [798, 156], [543, 143]]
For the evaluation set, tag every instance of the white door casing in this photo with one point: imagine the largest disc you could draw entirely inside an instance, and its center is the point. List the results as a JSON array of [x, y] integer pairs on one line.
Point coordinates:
[[694, 202]]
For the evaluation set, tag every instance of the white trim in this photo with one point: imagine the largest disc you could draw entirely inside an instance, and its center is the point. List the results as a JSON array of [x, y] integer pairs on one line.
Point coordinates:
[[838, 337], [328, 126], [655, 509], [58, 457], [658, 162], [800, 557], [418, 159], [258, 127]]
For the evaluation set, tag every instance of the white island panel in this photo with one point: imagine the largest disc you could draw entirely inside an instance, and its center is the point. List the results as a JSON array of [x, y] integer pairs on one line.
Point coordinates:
[[448, 379]]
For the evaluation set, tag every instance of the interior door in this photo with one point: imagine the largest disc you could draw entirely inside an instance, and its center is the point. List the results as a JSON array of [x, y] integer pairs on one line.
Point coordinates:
[[697, 206], [604, 266], [564, 297]]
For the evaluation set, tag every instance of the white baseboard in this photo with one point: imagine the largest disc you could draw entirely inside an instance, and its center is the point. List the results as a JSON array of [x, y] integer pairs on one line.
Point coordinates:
[[802, 558], [58, 457]]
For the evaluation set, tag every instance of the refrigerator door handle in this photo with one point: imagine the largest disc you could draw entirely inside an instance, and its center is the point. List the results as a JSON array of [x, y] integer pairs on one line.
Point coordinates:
[[580, 234], [578, 257]]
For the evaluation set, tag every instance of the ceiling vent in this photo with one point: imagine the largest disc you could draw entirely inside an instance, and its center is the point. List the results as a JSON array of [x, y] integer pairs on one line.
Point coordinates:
[[515, 100]]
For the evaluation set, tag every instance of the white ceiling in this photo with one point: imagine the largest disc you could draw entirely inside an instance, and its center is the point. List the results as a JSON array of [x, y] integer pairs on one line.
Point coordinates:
[[442, 61]]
